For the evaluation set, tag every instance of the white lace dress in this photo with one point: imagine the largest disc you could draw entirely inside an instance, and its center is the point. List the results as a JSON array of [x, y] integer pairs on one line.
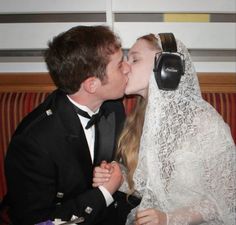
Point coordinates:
[[187, 161]]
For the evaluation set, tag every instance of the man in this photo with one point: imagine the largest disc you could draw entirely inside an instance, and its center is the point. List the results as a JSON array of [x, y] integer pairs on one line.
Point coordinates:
[[50, 160]]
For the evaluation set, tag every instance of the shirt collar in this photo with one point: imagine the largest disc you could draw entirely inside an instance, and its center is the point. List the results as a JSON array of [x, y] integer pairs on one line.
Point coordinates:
[[83, 107]]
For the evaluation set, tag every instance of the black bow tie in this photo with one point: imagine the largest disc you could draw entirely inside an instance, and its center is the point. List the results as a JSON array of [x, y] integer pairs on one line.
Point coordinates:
[[92, 119]]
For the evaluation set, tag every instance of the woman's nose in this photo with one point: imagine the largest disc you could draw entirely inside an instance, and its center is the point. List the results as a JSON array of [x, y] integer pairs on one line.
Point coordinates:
[[126, 67]]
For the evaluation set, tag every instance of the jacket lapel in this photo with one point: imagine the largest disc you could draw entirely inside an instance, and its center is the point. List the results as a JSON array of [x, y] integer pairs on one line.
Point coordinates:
[[106, 138], [74, 134]]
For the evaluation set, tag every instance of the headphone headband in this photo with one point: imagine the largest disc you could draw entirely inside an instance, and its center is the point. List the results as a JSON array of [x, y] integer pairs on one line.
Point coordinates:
[[168, 42]]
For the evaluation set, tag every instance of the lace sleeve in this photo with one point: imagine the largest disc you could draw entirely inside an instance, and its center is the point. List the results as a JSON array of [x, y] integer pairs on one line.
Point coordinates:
[[215, 193], [192, 215], [124, 187]]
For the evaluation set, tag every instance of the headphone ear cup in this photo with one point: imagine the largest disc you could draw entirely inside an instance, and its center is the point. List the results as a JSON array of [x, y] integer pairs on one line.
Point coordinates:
[[168, 70], [170, 65]]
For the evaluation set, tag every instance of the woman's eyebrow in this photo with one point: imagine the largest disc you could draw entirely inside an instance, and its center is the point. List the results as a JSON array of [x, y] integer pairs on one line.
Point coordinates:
[[133, 53]]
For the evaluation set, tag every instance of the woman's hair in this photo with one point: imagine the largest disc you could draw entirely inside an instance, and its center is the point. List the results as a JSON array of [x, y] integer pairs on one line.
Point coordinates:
[[152, 40], [129, 141], [128, 144], [79, 53]]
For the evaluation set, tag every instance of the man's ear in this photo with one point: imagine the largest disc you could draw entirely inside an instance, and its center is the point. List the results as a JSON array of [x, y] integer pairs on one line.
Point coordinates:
[[91, 84]]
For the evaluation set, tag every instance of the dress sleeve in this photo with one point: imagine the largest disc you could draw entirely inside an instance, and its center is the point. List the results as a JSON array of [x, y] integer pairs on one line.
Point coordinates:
[[124, 187], [210, 180]]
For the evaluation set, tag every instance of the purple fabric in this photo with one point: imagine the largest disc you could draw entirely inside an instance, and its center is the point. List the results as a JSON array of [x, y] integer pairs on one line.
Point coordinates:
[[48, 222]]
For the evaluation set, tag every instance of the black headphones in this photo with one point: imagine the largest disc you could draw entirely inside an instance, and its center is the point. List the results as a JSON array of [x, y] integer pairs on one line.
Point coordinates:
[[169, 64]]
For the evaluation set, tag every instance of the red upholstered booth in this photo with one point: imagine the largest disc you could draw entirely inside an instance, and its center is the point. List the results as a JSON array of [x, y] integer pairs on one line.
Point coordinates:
[[20, 93]]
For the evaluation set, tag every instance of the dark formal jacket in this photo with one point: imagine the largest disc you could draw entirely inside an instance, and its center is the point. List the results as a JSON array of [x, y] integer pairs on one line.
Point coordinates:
[[48, 165]]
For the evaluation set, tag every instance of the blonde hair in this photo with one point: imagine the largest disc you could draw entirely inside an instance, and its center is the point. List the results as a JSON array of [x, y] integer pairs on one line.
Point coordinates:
[[128, 144], [129, 141]]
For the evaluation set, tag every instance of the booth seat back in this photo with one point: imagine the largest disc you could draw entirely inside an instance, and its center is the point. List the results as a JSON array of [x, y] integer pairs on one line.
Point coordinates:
[[20, 93], [14, 106]]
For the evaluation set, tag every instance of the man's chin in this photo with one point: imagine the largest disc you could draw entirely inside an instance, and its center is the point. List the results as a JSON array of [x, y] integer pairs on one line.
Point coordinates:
[[117, 97]]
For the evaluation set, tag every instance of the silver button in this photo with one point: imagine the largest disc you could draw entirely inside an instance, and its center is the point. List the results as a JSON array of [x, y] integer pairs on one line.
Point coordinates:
[[60, 195], [49, 112], [88, 210]]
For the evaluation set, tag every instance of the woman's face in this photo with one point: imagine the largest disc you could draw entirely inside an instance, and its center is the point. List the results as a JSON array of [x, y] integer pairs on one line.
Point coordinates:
[[141, 60]]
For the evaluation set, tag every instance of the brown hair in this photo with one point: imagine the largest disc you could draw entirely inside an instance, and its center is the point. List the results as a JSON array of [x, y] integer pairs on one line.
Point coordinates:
[[79, 53], [129, 141]]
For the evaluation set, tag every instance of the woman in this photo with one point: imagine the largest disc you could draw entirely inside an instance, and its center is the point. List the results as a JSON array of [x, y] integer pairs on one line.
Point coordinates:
[[184, 165]]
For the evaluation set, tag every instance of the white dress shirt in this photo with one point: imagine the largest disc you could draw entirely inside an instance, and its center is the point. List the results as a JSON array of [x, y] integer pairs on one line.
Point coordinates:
[[90, 137]]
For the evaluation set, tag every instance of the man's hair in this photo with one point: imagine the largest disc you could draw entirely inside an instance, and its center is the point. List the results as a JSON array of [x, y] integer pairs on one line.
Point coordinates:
[[79, 53]]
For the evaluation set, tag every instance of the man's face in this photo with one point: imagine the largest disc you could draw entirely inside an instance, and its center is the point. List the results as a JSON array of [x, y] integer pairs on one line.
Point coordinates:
[[114, 84]]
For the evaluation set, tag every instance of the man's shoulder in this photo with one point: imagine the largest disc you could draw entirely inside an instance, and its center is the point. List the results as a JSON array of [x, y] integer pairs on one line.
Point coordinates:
[[37, 116]]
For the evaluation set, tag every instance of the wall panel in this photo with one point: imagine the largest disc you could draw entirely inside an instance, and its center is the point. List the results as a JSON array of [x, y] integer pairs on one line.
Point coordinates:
[[208, 28], [194, 35], [175, 6], [32, 35], [42, 6]]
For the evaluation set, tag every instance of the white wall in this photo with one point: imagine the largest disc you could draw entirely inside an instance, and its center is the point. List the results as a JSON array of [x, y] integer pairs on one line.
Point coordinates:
[[202, 36]]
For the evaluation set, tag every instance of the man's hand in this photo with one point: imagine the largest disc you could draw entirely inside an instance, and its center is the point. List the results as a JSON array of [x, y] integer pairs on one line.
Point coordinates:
[[102, 174], [109, 176], [116, 178]]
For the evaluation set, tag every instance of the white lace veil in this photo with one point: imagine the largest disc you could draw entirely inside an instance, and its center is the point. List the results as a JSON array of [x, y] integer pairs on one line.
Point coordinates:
[[187, 162]]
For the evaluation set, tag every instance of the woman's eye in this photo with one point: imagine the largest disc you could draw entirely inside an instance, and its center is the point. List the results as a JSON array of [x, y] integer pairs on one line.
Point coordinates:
[[135, 60]]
